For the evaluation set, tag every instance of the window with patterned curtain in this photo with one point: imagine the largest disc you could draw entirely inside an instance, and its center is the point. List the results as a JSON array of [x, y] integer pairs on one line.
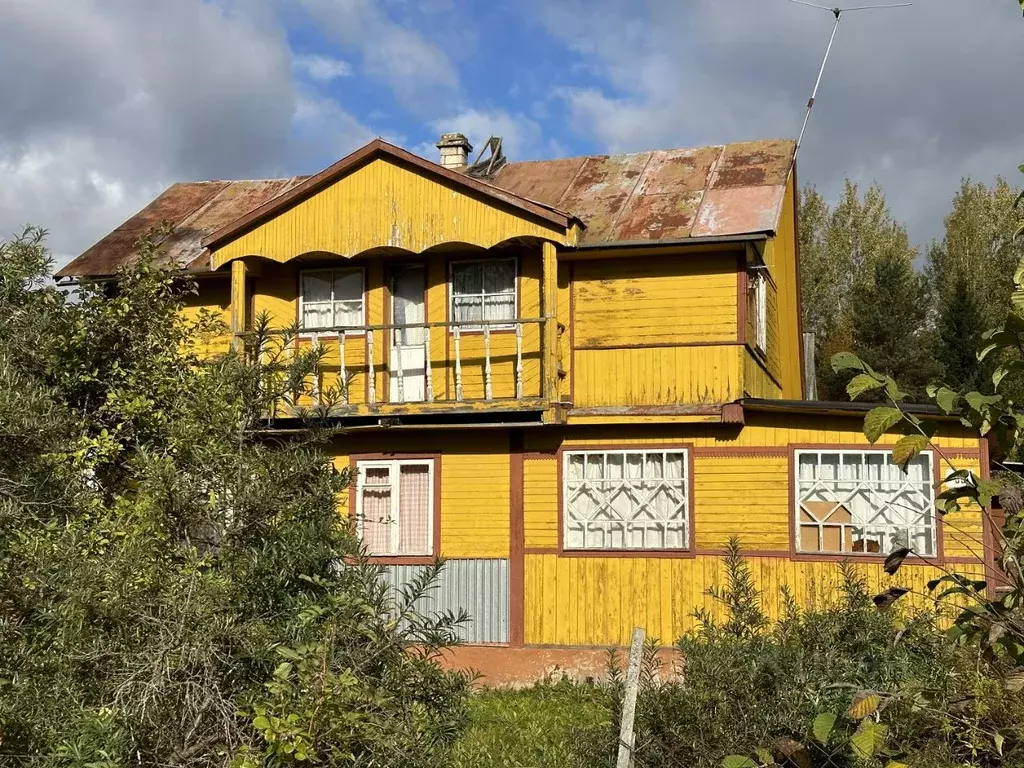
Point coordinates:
[[395, 506], [850, 501], [626, 499]]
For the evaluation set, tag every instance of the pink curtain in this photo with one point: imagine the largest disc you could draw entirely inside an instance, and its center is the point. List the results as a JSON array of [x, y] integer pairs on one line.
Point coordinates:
[[414, 510], [377, 511]]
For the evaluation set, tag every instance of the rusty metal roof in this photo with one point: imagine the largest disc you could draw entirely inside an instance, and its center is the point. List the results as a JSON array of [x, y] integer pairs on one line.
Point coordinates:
[[663, 195], [647, 197]]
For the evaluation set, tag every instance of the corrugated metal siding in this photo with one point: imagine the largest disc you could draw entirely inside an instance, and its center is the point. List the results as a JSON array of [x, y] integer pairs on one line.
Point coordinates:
[[480, 587]]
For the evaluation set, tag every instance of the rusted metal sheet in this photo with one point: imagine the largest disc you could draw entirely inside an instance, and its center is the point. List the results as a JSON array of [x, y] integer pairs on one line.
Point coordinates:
[[195, 209], [479, 587], [665, 195], [659, 196]]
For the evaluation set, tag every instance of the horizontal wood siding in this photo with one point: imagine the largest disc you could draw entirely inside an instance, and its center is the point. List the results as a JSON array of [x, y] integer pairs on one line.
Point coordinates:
[[642, 301], [598, 601], [657, 376]]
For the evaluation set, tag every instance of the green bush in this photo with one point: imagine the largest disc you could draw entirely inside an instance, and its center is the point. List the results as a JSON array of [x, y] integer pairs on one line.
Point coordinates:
[[176, 587], [751, 687]]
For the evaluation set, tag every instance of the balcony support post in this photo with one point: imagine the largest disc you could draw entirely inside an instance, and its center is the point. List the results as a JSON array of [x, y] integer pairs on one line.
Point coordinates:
[[549, 332], [239, 303]]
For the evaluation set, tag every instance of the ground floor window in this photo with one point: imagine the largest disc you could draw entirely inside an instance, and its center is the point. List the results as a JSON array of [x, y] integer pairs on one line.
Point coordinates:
[[626, 499], [395, 506], [860, 501]]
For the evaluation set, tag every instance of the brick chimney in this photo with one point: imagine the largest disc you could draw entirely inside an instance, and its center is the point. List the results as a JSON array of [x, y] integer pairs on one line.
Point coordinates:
[[455, 149]]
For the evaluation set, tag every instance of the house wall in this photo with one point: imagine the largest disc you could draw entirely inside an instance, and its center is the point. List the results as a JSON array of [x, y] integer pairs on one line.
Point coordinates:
[[501, 501], [656, 330]]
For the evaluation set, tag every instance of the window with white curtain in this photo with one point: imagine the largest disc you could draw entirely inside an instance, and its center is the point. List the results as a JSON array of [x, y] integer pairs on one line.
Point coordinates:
[[395, 505], [329, 298], [757, 305], [626, 499], [483, 290], [861, 502]]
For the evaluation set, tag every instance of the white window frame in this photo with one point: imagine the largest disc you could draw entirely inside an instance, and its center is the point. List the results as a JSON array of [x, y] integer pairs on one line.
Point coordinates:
[[333, 271], [760, 285], [503, 325], [870, 530], [570, 486], [394, 467]]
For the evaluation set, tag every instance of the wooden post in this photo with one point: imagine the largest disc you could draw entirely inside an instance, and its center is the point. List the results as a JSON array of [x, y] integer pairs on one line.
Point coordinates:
[[626, 735], [239, 303], [487, 362], [548, 307]]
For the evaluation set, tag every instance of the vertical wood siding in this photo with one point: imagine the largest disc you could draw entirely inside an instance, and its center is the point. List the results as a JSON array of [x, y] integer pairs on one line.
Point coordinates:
[[782, 251], [597, 601], [658, 376], [214, 297], [383, 204]]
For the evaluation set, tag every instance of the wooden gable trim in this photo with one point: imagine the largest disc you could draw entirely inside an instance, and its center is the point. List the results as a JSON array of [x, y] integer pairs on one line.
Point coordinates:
[[375, 148]]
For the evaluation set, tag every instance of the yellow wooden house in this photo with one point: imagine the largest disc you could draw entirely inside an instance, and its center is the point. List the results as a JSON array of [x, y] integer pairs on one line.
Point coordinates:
[[573, 379]]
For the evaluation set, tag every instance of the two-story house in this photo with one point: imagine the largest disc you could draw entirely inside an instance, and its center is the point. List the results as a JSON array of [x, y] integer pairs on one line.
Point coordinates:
[[574, 379]]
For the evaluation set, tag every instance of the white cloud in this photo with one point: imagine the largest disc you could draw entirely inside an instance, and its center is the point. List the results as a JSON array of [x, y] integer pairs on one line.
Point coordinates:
[[521, 137], [322, 69], [418, 71], [109, 101], [896, 105]]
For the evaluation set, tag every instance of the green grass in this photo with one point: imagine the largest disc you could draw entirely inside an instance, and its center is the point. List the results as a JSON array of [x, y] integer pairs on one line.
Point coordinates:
[[540, 727]]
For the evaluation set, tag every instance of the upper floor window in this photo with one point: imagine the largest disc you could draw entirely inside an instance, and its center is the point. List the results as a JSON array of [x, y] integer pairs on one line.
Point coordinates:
[[395, 506], [860, 501], [329, 298], [626, 499], [483, 290], [757, 307]]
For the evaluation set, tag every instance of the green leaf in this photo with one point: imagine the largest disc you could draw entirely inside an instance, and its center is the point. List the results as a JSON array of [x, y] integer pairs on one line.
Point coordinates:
[[261, 723], [999, 738], [823, 725], [879, 420], [907, 448], [978, 401], [862, 383], [946, 399], [868, 739], [864, 703], [738, 761], [847, 361], [886, 599], [1014, 366]]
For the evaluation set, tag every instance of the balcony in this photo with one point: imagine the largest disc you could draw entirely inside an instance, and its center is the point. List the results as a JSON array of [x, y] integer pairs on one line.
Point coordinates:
[[393, 369]]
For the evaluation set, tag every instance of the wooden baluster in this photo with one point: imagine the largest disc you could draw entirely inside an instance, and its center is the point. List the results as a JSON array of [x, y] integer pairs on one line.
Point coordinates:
[[372, 392], [458, 364], [519, 360], [342, 371], [398, 362], [426, 364], [487, 362], [316, 368]]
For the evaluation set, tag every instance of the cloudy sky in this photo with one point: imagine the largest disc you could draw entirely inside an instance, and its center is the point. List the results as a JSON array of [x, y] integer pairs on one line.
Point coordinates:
[[103, 103]]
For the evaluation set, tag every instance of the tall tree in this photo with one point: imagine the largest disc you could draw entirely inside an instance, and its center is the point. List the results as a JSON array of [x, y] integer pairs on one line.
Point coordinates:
[[839, 248], [961, 322], [889, 322]]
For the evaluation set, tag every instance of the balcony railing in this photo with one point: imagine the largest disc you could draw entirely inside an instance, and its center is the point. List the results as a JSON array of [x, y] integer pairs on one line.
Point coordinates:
[[478, 361]]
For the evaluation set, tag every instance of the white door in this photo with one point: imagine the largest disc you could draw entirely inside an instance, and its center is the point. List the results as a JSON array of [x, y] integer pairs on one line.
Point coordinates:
[[408, 351]]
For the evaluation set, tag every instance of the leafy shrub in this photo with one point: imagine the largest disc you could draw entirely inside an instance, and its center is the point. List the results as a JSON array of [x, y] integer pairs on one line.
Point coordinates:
[[176, 587], [748, 685]]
